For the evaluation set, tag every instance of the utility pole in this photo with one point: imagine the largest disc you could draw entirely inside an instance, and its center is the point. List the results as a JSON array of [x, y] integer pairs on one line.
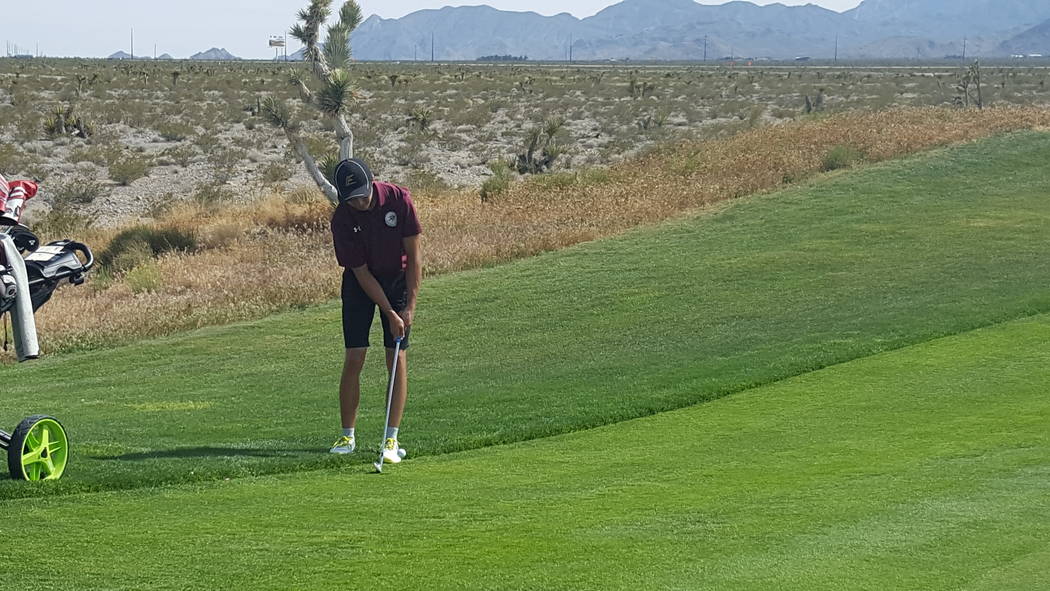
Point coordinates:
[[132, 42], [154, 51], [705, 48], [836, 48], [570, 47], [431, 47], [964, 48]]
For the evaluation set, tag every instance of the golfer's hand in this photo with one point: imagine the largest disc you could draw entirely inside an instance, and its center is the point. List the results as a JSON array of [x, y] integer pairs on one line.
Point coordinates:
[[397, 325], [407, 315]]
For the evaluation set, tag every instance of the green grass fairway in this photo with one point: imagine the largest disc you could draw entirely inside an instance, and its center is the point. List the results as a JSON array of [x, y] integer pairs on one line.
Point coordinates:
[[923, 468], [662, 318]]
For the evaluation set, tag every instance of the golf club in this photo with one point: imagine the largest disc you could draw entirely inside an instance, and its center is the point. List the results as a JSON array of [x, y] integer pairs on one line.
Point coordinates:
[[389, 398]]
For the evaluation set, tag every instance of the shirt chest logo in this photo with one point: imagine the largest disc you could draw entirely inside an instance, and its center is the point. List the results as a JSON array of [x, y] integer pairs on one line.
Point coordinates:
[[357, 229], [391, 219]]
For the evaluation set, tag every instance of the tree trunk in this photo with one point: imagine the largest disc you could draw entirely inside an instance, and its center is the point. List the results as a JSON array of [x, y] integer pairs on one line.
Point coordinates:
[[311, 167]]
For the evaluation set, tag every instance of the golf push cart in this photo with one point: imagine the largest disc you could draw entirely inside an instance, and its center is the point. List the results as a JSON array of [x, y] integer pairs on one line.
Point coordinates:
[[29, 273]]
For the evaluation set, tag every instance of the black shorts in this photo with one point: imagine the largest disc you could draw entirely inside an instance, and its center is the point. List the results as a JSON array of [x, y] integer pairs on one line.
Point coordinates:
[[359, 309]]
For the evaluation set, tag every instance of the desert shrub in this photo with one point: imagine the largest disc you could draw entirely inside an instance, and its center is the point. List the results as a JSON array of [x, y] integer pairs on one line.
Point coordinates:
[[129, 168], [499, 182], [27, 127], [144, 277], [12, 159], [841, 156], [174, 131], [60, 222], [472, 116], [754, 118], [110, 112], [219, 235], [653, 120], [77, 191], [156, 240], [317, 144], [207, 142], [411, 153], [225, 163], [106, 136], [133, 254], [578, 179], [423, 180], [102, 155], [100, 280], [135, 114], [209, 194], [181, 155], [279, 214], [276, 172]]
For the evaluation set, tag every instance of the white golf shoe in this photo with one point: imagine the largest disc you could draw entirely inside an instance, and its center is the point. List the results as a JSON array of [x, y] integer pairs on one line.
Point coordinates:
[[392, 454], [344, 445]]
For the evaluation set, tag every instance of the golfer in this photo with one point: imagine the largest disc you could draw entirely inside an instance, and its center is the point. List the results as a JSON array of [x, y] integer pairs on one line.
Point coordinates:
[[376, 236]]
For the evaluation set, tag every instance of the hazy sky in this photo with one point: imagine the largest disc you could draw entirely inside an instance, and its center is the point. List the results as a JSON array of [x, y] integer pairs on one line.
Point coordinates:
[[98, 28]]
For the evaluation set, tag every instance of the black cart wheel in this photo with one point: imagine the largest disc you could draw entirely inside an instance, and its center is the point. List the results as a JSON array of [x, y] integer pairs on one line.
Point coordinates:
[[39, 449]]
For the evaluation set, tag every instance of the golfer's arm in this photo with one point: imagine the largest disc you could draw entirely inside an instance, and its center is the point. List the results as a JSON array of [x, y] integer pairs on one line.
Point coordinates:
[[371, 286], [414, 272]]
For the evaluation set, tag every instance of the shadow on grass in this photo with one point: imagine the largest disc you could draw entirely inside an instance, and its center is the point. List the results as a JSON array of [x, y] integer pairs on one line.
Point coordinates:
[[206, 452]]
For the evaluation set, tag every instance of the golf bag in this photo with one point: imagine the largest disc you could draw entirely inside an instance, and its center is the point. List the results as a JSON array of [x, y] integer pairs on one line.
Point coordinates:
[[30, 273], [13, 196]]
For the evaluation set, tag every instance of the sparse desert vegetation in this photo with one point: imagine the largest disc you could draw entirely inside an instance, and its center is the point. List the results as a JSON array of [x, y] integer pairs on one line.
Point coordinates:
[[248, 260], [157, 131], [504, 161]]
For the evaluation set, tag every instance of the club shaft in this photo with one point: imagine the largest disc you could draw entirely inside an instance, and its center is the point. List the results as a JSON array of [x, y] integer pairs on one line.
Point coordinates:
[[389, 398]]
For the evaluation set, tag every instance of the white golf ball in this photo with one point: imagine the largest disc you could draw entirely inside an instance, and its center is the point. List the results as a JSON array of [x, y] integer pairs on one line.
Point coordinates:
[[401, 453]]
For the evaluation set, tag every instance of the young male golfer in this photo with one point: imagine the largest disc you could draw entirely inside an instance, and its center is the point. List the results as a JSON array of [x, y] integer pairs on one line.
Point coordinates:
[[376, 236]]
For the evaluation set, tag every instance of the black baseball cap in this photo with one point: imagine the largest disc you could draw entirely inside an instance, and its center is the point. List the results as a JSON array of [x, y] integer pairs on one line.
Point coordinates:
[[353, 179]]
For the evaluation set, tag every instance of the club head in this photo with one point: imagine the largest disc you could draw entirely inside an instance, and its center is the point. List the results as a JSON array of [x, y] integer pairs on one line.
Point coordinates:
[[378, 466]]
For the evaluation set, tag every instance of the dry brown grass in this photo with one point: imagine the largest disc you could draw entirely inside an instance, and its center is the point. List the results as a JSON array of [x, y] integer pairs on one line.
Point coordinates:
[[276, 254]]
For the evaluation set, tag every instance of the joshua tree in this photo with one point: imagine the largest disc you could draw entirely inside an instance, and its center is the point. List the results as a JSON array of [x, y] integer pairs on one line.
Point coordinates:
[[543, 140], [969, 87], [62, 122], [329, 63]]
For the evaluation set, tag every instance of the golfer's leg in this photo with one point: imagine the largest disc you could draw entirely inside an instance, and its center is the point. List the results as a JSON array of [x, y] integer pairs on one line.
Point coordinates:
[[358, 312], [350, 387], [397, 405]]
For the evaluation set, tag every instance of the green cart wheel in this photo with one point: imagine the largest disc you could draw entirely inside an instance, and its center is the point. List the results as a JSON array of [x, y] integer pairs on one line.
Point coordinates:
[[38, 450]]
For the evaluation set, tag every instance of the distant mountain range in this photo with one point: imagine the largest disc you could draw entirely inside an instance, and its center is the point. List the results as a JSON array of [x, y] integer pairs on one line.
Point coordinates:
[[212, 54], [683, 29]]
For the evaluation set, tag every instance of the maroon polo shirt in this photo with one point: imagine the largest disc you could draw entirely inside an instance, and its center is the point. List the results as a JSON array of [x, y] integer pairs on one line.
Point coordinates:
[[374, 237]]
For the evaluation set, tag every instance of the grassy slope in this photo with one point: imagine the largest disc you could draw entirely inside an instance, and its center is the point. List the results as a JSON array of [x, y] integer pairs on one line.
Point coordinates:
[[922, 468], [662, 318]]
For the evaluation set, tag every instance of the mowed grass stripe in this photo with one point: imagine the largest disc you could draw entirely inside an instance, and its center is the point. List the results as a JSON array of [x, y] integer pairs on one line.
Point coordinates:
[[664, 317], [923, 468]]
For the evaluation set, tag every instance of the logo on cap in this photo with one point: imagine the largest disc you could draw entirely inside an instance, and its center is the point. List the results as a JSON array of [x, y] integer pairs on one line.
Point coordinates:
[[353, 179]]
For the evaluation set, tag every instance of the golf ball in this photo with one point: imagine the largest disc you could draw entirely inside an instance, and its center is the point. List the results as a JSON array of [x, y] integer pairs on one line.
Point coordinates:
[[401, 453]]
